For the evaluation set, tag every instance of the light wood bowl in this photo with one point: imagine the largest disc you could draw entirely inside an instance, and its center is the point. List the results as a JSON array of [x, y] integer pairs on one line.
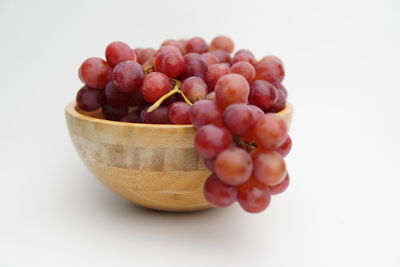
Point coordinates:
[[153, 165]]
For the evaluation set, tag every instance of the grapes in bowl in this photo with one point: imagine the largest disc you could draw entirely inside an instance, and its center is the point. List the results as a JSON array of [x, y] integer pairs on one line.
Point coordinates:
[[185, 127]]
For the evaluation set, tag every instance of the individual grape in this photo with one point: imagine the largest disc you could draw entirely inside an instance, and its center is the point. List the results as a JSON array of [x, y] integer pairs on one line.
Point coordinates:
[[178, 113], [95, 72], [280, 103], [183, 43], [266, 58], [256, 111], [210, 140], [133, 116], [281, 187], [211, 96], [283, 89], [244, 55], [116, 52], [169, 63], [253, 196], [210, 164], [90, 99], [238, 118], [215, 72], [217, 193], [114, 113], [165, 49], [178, 44], [222, 55], [127, 76], [223, 43], [114, 97], [268, 167], [146, 54], [231, 88], [263, 94], [154, 86], [245, 69], [158, 116], [234, 166], [196, 45], [285, 148], [271, 71], [194, 88], [194, 66], [210, 59], [205, 112], [270, 131]]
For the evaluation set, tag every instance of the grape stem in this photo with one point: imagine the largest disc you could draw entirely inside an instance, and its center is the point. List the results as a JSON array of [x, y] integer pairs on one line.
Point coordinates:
[[175, 90], [249, 146]]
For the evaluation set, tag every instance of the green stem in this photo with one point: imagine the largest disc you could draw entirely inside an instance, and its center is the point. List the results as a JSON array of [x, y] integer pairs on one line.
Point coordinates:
[[175, 90]]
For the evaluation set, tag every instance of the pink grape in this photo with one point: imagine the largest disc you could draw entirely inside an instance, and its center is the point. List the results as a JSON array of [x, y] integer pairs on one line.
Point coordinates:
[[95, 72], [274, 58], [176, 43], [271, 71], [127, 76], [194, 66], [281, 187], [205, 112], [234, 166], [169, 63], [211, 96], [270, 131], [210, 59], [244, 55], [280, 103], [223, 43], [196, 45], [178, 113], [245, 69], [90, 99], [263, 94], [210, 164], [210, 140], [116, 52], [222, 55], [144, 55], [268, 167], [238, 118], [253, 196], [231, 88], [158, 116], [219, 194], [155, 85], [215, 72], [285, 147], [194, 88]]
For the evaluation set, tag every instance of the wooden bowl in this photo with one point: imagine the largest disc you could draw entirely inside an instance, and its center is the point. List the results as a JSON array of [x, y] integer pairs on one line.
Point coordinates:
[[153, 165]]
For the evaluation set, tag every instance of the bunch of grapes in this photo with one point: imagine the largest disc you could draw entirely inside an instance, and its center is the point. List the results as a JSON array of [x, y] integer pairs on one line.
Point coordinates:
[[230, 100]]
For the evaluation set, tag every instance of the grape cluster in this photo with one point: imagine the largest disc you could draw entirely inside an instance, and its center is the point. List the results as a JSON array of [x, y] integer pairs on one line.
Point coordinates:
[[230, 100]]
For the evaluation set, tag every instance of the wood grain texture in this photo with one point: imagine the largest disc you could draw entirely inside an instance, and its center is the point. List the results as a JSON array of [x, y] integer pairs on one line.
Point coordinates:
[[152, 165]]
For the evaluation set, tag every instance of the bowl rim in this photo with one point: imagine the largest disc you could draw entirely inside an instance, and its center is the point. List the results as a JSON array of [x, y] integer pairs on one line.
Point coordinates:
[[71, 109]]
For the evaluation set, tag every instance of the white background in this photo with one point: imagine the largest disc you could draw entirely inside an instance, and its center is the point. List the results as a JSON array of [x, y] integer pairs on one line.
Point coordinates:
[[342, 209]]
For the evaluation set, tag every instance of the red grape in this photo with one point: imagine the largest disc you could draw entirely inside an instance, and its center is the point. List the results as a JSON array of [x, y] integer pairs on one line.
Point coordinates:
[[271, 71], [210, 59], [155, 85], [253, 196], [280, 103], [210, 164], [238, 118], [210, 140], [194, 88], [196, 45], [270, 131], [222, 55], [127, 76], [211, 96], [285, 148], [114, 113], [90, 99], [114, 97], [231, 88], [234, 166], [169, 63], [177, 44], [133, 116], [281, 187], [215, 72], [244, 55], [245, 69], [146, 54], [194, 66], [223, 43], [158, 116], [263, 94], [136, 98], [217, 193], [266, 58], [268, 167], [165, 49], [95, 72], [178, 113], [117, 52], [205, 112], [283, 89], [182, 44]]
